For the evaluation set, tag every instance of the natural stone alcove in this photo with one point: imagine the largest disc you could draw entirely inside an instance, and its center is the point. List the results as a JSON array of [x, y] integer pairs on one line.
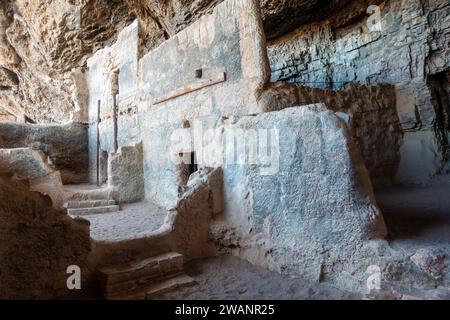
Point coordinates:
[[440, 92], [286, 143]]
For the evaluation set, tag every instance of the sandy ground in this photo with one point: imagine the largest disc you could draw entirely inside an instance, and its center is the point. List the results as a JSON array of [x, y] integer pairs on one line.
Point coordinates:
[[230, 278], [133, 221]]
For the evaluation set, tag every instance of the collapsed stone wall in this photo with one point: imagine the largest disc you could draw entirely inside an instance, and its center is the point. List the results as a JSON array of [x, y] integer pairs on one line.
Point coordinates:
[[126, 174], [37, 244], [411, 46], [65, 145], [371, 115]]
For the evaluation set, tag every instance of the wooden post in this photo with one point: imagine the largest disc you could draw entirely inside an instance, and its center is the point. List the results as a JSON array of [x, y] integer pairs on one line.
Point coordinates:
[[115, 107], [98, 143]]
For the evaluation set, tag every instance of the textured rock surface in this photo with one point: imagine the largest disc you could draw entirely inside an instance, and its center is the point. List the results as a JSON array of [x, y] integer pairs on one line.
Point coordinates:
[[316, 215], [410, 49], [126, 174], [430, 261], [65, 146], [37, 244], [371, 115], [44, 44], [31, 165]]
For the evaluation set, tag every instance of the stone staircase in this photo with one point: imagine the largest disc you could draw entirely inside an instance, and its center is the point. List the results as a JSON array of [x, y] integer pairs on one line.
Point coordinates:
[[144, 279], [85, 200], [89, 207]]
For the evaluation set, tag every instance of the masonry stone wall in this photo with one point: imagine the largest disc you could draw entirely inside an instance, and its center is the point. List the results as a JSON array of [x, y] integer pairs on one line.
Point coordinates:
[[370, 112], [111, 81], [412, 45], [228, 46]]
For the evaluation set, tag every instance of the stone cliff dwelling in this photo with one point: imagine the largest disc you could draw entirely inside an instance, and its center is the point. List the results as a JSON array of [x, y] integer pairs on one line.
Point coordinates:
[[236, 149]]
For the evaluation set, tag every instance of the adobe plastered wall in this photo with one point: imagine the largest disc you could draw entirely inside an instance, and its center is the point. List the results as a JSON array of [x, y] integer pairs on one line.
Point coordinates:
[[113, 70], [228, 45], [229, 42], [126, 174], [412, 45]]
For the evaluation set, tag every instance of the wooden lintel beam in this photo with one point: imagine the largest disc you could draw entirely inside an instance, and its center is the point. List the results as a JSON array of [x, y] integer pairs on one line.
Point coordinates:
[[212, 80]]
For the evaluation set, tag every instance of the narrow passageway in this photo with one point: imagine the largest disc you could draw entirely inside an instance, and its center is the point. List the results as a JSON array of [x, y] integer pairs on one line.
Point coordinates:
[[418, 216]]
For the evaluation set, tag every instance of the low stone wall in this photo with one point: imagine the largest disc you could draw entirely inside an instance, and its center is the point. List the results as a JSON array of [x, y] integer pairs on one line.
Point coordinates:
[[126, 174], [37, 244], [65, 145], [185, 229]]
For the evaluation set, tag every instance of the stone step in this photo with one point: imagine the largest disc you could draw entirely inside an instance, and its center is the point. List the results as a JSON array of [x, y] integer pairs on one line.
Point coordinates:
[[89, 204], [138, 272], [163, 285], [140, 276], [83, 193], [94, 210]]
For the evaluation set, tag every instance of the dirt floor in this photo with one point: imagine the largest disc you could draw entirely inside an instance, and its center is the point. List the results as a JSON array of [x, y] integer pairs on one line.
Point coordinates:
[[133, 221], [230, 278], [417, 217]]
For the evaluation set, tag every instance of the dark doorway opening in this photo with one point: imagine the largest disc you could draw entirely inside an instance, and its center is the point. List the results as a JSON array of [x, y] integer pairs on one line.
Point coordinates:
[[193, 166], [185, 168]]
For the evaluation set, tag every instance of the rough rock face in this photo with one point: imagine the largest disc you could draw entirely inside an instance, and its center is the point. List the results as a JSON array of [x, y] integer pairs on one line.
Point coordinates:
[[44, 44], [430, 260], [412, 44], [37, 244], [31, 165], [410, 51], [65, 146], [280, 16], [370, 112]]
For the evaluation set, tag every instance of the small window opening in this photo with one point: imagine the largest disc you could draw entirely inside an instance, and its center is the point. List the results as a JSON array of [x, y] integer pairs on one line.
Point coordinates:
[[199, 73]]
